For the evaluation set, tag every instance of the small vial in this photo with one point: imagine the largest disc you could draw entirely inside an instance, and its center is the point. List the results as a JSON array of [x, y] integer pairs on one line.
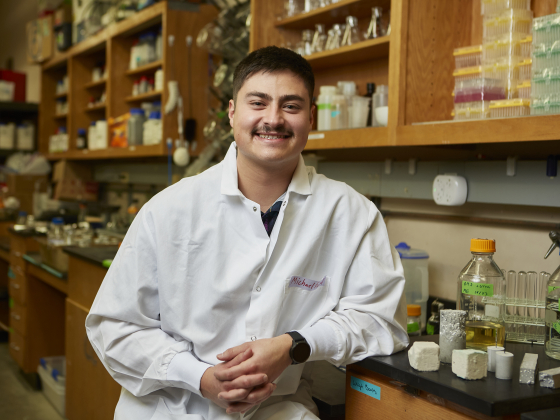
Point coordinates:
[[413, 321], [432, 326]]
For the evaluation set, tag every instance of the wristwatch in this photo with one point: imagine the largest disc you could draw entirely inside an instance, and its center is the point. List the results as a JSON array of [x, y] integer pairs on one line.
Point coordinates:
[[301, 350]]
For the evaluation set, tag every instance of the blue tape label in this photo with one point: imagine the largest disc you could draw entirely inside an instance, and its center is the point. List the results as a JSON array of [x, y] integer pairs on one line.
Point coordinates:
[[364, 387]]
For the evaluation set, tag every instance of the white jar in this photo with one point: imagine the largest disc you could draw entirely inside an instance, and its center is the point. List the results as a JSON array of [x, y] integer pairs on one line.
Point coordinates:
[[92, 137], [152, 129], [158, 80], [102, 135], [324, 107], [339, 112]]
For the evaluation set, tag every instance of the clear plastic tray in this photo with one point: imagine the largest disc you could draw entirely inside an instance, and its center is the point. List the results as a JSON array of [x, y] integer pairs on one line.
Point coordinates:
[[494, 6], [475, 110], [546, 57], [508, 72], [546, 106], [524, 90], [468, 56], [479, 90], [510, 108], [546, 29], [527, 46], [545, 84], [524, 69], [467, 73], [507, 22], [502, 49]]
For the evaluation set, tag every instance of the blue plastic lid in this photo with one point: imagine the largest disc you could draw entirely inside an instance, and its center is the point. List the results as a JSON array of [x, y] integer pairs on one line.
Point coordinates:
[[136, 111], [55, 374], [81, 132], [62, 130], [22, 213], [92, 124], [43, 362], [408, 253], [156, 103], [57, 221], [155, 115]]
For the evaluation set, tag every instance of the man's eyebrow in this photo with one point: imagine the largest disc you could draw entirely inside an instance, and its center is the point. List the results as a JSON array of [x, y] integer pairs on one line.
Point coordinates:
[[261, 95], [287, 98], [284, 98]]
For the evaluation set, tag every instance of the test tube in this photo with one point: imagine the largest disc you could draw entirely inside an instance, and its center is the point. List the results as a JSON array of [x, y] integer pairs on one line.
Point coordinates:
[[521, 297], [531, 327], [541, 287], [511, 281]]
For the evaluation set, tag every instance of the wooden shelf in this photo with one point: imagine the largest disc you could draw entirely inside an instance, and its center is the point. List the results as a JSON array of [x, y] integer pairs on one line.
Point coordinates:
[[144, 97], [60, 116], [96, 108], [97, 84], [349, 138], [350, 54], [148, 68], [331, 14], [112, 153], [61, 95]]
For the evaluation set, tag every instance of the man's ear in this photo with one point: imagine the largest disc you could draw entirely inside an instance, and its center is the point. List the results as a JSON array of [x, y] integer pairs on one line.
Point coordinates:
[[231, 111], [312, 115]]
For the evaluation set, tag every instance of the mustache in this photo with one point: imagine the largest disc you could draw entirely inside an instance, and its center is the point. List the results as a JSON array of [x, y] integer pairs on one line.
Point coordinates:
[[280, 129]]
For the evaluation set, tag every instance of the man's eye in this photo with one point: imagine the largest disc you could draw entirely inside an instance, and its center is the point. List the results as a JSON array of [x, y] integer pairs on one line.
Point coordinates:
[[291, 107], [258, 103]]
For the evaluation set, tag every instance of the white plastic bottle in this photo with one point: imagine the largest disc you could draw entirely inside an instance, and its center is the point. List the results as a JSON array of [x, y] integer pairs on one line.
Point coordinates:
[[348, 89], [55, 234], [92, 136], [152, 129], [324, 107], [339, 112]]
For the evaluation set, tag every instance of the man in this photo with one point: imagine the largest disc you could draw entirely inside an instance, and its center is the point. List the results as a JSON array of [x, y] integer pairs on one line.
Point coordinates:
[[228, 282]]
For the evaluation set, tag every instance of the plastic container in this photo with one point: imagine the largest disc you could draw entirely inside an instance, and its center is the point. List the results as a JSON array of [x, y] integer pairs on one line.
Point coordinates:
[[415, 266], [380, 105], [81, 140], [135, 127], [475, 110], [468, 56], [524, 90], [481, 89], [52, 372], [507, 72], [369, 94], [481, 291], [493, 6], [552, 316], [7, 135], [339, 112], [360, 111], [509, 22], [510, 108], [324, 107], [432, 326], [467, 73], [545, 85], [25, 134], [546, 106], [102, 134], [526, 46], [502, 50], [413, 320], [158, 85], [92, 136], [546, 59], [546, 29], [153, 129], [524, 70], [55, 234]]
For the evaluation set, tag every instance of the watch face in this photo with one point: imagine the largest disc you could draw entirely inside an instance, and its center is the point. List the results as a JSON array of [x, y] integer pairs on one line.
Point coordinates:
[[301, 352]]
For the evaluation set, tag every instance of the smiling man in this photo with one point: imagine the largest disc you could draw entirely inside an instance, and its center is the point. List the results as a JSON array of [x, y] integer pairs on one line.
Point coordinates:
[[230, 284]]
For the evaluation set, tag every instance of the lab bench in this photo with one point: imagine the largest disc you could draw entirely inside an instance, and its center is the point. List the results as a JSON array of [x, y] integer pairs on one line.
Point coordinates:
[[395, 390]]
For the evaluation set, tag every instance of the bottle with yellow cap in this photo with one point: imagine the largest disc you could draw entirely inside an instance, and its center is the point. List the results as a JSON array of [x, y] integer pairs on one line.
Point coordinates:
[[481, 291], [413, 321]]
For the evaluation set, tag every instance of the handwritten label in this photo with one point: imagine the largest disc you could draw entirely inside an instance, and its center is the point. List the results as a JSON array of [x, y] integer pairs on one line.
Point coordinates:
[[306, 284], [412, 327], [477, 289], [551, 288], [364, 387]]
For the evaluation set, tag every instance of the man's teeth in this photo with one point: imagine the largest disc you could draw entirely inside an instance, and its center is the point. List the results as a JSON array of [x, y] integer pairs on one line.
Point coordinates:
[[271, 137]]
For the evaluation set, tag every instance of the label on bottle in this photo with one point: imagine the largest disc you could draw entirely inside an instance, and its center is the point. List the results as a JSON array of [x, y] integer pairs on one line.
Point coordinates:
[[556, 326], [492, 311], [412, 327], [551, 288], [477, 289], [323, 106], [430, 329]]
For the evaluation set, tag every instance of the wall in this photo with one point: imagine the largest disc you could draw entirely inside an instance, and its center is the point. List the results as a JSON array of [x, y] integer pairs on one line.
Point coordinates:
[[14, 14]]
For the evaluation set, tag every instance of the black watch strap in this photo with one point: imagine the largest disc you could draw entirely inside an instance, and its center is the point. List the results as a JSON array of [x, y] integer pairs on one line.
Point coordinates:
[[300, 350]]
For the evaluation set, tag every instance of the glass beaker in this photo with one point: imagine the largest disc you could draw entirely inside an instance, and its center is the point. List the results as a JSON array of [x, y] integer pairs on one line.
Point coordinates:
[[375, 28], [319, 38], [352, 33], [307, 41]]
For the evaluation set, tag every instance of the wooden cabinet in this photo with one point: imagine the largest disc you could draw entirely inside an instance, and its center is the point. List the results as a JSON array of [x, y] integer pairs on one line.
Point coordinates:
[[91, 393], [417, 63], [112, 47]]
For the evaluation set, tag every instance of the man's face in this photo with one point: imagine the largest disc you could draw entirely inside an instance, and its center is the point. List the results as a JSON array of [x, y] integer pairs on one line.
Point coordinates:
[[272, 118]]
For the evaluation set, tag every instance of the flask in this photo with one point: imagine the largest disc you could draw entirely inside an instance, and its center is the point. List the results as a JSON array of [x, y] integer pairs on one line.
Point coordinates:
[[481, 292], [552, 312], [413, 321], [432, 326]]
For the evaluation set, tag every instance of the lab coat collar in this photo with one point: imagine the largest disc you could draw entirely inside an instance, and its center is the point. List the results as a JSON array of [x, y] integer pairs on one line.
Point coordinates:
[[299, 184]]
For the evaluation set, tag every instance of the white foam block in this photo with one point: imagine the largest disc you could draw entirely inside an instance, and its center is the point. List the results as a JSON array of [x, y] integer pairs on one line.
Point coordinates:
[[528, 369], [550, 378], [424, 356], [469, 364]]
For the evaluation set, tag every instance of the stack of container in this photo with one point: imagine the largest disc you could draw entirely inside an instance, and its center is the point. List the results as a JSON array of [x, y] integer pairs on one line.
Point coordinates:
[[546, 65], [487, 77]]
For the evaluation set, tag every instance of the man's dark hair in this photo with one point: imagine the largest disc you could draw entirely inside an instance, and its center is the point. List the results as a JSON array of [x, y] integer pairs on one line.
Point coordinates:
[[271, 60]]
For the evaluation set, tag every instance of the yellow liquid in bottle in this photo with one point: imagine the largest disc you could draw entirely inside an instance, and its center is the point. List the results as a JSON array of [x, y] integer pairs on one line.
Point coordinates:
[[481, 334]]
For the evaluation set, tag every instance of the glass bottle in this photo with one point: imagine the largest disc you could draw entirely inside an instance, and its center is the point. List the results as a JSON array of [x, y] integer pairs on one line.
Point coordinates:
[[552, 316], [319, 38], [375, 29], [432, 326], [351, 33], [370, 91], [413, 321], [481, 291], [55, 234], [339, 112], [307, 40]]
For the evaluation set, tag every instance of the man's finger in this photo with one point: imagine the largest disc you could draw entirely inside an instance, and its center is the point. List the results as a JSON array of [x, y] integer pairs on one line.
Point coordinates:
[[259, 394], [231, 373], [232, 352], [246, 382]]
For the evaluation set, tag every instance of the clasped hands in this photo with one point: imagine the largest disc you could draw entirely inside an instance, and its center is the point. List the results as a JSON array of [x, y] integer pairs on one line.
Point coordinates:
[[244, 378]]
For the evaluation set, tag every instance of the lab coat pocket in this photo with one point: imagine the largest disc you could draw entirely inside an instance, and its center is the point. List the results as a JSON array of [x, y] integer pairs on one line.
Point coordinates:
[[163, 413], [303, 303]]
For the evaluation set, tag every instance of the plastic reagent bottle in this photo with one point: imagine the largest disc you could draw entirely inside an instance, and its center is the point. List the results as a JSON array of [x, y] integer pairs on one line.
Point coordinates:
[[413, 321], [481, 291], [552, 316]]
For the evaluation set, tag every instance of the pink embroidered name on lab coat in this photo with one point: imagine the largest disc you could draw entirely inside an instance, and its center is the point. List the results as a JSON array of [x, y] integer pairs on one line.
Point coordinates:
[[306, 284]]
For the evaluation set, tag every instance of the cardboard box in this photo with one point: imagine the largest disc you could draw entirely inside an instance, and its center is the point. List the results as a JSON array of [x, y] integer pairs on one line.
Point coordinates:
[[40, 39], [19, 80], [76, 190], [18, 184], [69, 170]]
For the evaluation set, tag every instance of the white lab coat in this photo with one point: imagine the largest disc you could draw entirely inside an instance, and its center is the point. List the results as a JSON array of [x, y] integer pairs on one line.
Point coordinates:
[[197, 274]]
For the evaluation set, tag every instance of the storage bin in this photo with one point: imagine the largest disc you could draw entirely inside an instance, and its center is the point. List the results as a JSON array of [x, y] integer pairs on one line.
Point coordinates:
[[546, 57], [524, 90], [510, 22], [468, 56], [467, 73], [493, 6], [507, 72], [502, 50], [546, 29], [52, 371], [545, 84], [480, 89], [546, 106], [510, 108], [475, 110]]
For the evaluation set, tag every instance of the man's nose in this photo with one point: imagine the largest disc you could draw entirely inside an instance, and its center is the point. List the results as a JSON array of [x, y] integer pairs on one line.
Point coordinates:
[[274, 117]]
